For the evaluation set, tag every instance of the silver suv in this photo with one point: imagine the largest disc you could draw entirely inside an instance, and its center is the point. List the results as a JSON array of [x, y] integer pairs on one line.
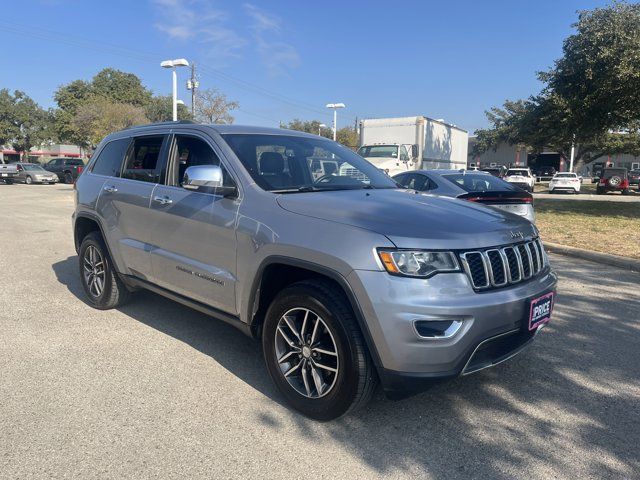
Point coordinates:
[[346, 279]]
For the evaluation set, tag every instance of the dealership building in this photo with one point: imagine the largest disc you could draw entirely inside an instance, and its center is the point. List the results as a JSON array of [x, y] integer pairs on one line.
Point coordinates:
[[41, 154]]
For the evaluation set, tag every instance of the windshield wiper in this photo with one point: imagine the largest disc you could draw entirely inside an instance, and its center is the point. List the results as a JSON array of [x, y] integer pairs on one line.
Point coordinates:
[[305, 188]]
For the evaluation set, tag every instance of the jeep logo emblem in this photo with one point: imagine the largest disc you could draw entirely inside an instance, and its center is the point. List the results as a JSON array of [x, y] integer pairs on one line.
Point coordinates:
[[515, 235]]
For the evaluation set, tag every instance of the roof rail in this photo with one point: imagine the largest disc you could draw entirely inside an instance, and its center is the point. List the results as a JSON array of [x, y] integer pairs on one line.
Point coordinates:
[[156, 124]]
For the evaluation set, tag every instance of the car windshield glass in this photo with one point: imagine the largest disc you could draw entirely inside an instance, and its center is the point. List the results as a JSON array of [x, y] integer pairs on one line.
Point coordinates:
[[378, 151], [522, 173], [288, 163], [565, 175], [477, 182], [609, 172], [32, 167]]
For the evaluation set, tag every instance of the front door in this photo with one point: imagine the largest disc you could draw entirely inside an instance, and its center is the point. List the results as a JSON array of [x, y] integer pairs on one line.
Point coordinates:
[[124, 202], [194, 237]]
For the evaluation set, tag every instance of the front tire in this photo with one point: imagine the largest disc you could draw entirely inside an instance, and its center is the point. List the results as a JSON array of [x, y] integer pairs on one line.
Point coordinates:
[[315, 352], [28, 180], [100, 282]]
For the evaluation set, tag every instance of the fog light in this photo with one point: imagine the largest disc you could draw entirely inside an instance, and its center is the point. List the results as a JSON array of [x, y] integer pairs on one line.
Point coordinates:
[[437, 329]]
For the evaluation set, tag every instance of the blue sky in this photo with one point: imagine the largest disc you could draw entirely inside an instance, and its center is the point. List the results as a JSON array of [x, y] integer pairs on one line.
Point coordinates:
[[287, 59]]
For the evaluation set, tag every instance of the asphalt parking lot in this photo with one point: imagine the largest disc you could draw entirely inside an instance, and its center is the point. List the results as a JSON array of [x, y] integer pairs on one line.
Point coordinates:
[[157, 390]]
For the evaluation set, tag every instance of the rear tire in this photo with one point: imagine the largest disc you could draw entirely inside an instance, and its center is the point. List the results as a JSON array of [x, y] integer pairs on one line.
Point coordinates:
[[290, 348], [599, 191], [99, 280], [68, 178], [625, 191]]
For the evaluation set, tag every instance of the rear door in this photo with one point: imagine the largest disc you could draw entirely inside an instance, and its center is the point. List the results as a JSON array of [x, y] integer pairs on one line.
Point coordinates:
[[194, 237], [124, 202]]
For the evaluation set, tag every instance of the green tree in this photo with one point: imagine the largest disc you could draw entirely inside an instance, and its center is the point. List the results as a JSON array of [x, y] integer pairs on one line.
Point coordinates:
[[214, 107], [348, 137], [100, 116], [120, 87], [598, 75], [23, 123], [8, 128], [115, 86], [160, 109], [591, 97], [309, 126]]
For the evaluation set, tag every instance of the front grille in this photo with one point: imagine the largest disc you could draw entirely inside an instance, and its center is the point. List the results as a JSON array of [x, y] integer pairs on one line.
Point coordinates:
[[498, 267]]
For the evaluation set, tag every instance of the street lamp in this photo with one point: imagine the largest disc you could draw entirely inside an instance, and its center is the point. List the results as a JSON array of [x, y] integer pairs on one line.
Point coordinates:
[[320, 127], [178, 62], [335, 107]]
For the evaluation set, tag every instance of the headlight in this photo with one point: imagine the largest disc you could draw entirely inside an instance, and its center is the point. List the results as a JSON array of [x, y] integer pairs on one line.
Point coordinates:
[[418, 263]]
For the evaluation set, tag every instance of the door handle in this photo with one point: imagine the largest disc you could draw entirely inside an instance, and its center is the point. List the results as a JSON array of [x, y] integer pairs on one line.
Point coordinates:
[[163, 200], [110, 189]]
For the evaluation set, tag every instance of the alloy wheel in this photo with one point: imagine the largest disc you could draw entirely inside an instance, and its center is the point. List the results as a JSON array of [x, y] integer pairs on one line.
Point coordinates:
[[94, 274], [306, 353]]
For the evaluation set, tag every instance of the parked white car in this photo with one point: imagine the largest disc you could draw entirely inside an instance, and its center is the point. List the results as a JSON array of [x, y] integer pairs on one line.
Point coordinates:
[[520, 177], [566, 181]]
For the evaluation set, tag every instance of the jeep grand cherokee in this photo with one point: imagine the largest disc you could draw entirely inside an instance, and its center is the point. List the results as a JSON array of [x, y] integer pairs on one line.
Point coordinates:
[[346, 279]]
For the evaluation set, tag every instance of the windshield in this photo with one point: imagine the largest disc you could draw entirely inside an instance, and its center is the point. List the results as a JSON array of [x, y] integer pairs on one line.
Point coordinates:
[[609, 172], [379, 151], [472, 182], [287, 163], [522, 173], [32, 167]]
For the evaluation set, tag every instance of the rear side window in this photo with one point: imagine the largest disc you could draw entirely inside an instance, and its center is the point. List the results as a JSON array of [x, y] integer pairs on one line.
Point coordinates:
[[143, 160], [110, 158], [74, 162], [470, 182], [610, 172]]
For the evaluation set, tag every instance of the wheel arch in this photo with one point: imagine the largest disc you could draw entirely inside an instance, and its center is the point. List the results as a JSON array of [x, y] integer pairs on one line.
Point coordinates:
[[277, 272]]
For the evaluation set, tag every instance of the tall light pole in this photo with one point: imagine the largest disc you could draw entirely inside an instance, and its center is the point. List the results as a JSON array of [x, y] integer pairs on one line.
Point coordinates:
[[320, 127], [178, 62], [335, 107]]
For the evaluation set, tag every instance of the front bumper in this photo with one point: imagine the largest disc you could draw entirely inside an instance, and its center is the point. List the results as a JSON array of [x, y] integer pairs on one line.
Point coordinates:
[[391, 306]]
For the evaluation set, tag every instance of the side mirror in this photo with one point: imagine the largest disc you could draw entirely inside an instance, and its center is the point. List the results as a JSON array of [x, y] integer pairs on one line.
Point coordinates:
[[414, 151], [207, 179]]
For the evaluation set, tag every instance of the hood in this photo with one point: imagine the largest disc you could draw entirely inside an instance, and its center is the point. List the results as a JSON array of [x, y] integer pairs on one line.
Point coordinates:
[[413, 220]]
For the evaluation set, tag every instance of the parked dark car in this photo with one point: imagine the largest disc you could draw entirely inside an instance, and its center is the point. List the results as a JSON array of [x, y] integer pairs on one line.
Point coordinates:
[[634, 177], [545, 173], [613, 180], [495, 171], [67, 169], [475, 187]]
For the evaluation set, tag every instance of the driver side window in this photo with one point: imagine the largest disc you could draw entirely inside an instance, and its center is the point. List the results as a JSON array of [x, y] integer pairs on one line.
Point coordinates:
[[191, 151], [404, 156]]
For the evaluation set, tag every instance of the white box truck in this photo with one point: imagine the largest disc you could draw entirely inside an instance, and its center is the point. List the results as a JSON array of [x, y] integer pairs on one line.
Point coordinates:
[[396, 145]]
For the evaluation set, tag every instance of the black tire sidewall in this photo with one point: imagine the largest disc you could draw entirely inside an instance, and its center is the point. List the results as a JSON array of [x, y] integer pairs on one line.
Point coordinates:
[[95, 240], [336, 402]]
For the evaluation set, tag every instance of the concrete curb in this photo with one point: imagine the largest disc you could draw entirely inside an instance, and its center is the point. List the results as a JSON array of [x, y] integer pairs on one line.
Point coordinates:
[[606, 258]]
